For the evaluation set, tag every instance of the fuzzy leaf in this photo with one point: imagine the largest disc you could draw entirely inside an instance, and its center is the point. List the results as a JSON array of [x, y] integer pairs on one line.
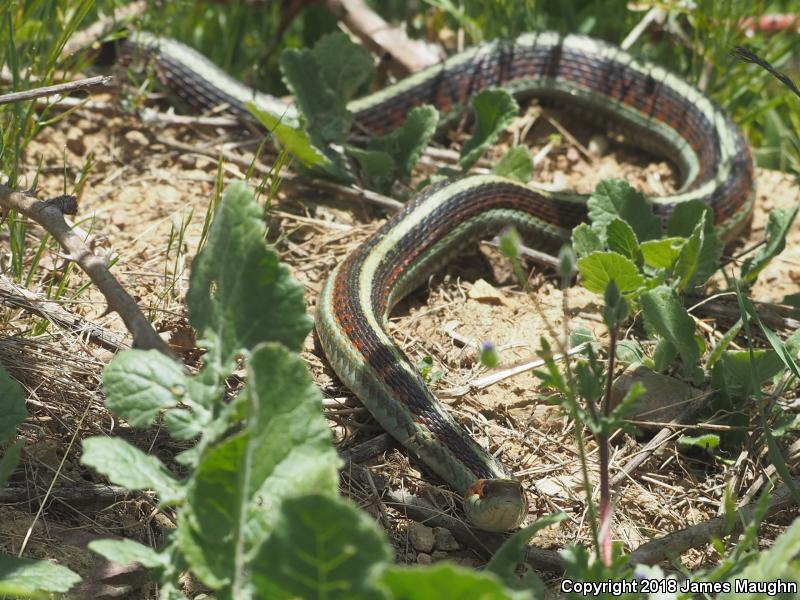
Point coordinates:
[[233, 269], [378, 167], [240, 483], [406, 143], [344, 65], [494, 109], [127, 551], [322, 547], [622, 239], [515, 164], [733, 374], [326, 115], [665, 314], [23, 577], [140, 383], [683, 223], [126, 465], [405, 583], [598, 269], [662, 254], [615, 198], [585, 240]]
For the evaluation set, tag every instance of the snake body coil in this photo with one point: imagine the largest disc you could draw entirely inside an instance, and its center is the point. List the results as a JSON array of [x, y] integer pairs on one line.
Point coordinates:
[[657, 111]]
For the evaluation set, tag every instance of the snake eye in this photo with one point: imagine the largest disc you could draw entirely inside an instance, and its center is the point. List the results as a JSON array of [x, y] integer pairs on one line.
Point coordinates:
[[484, 490]]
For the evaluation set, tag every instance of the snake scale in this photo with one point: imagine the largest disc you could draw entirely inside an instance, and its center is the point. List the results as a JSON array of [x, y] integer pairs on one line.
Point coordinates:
[[657, 111]]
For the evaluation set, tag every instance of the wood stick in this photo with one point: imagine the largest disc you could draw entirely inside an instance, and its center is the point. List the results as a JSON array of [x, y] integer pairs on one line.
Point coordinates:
[[49, 216], [59, 88]]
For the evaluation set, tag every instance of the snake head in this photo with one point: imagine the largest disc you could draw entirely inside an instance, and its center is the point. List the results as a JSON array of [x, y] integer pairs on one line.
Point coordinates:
[[495, 504]]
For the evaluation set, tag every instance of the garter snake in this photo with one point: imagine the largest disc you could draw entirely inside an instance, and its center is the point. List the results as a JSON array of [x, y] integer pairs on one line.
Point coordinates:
[[658, 112]]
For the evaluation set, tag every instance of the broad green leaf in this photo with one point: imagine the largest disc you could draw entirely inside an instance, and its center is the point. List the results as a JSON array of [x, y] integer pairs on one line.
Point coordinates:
[[494, 110], [615, 198], [585, 240], [9, 460], [778, 225], [377, 167], [665, 314], [683, 222], [233, 270], [509, 558], [322, 547], [128, 466], [344, 65], [708, 441], [515, 164], [662, 254], [294, 140], [621, 239], [736, 373], [406, 143], [325, 111], [127, 551], [783, 352], [629, 351], [140, 383], [26, 578], [664, 355], [405, 583], [779, 562], [240, 483], [599, 268], [689, 257], [12, 405]]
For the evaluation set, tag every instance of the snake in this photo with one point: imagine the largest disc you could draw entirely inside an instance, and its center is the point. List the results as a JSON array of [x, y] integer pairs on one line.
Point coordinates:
[[657, 111]]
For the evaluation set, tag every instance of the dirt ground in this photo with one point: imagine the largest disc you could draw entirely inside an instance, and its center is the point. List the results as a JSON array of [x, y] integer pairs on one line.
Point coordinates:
[[144, 202]]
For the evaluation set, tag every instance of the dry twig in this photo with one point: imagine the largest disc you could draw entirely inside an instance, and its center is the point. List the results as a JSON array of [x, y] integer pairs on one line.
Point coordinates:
[[51, 218], [59, 88]]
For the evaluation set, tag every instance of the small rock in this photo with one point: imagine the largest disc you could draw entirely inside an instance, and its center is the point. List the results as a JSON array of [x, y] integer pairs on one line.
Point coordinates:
[[75, 141], [663, 401], [421, 537], [439, 555], [136, 138], [573, 155], [598, 145], [483, 291], [424, 559], [445, 539]]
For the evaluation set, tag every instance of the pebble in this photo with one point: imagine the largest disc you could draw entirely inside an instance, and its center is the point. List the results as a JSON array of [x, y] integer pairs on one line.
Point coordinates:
[[137, 138], [445, 539], [421, 537], [424, 559]]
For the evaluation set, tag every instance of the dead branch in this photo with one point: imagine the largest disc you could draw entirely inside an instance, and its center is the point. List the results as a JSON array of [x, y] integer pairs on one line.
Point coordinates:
[[59, 88], [19, 297], [698, 535], [103, 25], [376, 34], [50, 217]]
